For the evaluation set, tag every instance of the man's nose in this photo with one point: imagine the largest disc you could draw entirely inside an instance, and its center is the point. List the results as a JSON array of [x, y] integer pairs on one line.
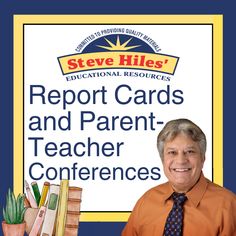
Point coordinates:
[[181, 158]]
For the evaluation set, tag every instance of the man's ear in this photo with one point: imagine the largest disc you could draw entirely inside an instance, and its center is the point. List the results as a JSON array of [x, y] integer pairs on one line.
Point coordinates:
[[203, 159], [162, 160]]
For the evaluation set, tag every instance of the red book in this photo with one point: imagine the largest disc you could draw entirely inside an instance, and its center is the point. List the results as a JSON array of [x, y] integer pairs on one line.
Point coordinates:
[[73, 211]]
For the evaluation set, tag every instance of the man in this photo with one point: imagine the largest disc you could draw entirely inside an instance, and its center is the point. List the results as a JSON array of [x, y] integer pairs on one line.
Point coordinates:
[[188, 204]]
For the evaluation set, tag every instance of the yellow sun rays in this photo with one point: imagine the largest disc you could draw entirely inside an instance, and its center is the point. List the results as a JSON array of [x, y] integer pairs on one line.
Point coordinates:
[[118, 46]]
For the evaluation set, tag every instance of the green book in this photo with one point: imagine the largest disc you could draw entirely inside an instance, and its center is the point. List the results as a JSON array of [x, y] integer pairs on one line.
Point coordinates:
[[36, 192]]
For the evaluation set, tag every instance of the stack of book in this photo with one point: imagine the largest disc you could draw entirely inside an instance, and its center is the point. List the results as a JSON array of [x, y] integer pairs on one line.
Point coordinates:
[[73, 211], [55, 211]]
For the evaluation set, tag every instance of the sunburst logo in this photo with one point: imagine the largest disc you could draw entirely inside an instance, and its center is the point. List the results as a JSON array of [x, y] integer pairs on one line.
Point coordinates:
[[118, 51], [118, 46]]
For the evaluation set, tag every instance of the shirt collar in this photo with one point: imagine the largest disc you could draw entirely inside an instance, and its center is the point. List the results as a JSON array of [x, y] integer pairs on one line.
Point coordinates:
[[194, 195], [168, 191]]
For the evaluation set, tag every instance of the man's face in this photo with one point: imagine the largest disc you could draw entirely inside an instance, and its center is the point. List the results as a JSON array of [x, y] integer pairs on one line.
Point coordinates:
[[182, 162]]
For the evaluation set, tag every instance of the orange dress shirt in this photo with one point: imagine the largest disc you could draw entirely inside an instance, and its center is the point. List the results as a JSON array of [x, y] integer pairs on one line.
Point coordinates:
[[209, 210]]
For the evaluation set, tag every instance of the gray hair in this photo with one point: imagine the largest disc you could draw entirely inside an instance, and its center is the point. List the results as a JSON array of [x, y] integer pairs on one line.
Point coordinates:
[[185, 126]]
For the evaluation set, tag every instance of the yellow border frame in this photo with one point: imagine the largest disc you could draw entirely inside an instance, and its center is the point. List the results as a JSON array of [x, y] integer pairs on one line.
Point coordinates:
[[215, 20]]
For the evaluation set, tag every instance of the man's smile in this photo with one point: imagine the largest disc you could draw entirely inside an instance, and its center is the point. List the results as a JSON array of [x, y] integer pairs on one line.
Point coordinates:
[[181, 169]]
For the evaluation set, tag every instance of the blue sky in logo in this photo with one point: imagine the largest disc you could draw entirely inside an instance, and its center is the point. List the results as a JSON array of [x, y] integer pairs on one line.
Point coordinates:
[[123, 38]]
